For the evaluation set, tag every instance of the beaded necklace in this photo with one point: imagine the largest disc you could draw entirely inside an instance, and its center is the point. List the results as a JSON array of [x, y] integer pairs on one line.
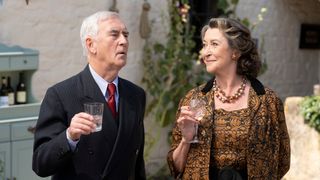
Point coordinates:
[[221, 95]]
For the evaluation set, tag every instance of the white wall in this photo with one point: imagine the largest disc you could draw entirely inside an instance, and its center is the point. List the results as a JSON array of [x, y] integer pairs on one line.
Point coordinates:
[[52, 27], [291, 71]]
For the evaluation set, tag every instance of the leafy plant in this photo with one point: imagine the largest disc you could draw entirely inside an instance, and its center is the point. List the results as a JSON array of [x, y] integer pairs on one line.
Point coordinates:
[[310, 109], [228, 8], [171, 69]]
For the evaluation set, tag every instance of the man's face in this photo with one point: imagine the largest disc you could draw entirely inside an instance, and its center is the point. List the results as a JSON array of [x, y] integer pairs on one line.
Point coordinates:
[[112, 43]]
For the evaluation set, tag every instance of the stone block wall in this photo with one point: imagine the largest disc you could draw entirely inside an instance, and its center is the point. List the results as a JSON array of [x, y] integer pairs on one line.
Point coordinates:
[[291, 71], [53, 28], [304, 143]]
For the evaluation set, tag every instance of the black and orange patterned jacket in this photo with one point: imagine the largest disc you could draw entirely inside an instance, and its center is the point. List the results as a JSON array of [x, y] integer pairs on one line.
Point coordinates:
[[268, 148]]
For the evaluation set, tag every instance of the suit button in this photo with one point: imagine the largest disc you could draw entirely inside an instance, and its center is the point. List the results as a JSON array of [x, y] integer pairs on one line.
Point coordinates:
[[90, 151]]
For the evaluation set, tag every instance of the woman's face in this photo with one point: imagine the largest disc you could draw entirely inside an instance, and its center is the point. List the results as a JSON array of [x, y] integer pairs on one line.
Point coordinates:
[[217, 54]]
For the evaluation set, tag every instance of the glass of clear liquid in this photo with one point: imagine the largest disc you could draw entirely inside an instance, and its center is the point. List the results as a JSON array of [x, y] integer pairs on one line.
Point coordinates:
[[96, 110], [197, 106]]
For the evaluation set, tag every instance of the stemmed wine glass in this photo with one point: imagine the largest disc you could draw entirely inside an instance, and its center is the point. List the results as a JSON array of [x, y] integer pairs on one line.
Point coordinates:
[[197, 106]]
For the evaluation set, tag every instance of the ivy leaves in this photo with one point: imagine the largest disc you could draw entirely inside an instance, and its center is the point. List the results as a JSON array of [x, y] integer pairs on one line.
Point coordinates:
[[169, 68]]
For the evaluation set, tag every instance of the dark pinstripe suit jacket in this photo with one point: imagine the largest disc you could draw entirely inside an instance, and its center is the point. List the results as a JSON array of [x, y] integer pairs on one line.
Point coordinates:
[[113, 153]]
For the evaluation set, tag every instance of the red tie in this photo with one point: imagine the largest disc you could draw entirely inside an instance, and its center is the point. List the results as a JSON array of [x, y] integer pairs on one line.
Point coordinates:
[[112, 99]]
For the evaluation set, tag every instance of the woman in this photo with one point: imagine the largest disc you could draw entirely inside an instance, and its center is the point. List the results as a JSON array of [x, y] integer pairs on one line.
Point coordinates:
[[243, 134]]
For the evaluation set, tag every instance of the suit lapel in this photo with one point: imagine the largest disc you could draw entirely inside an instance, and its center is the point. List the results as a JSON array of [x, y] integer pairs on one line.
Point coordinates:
[[127, 120], [127, 111]]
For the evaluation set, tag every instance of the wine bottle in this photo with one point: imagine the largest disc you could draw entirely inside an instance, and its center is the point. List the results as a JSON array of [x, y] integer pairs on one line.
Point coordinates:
[[21, 92], [11, 98], [4, 93]]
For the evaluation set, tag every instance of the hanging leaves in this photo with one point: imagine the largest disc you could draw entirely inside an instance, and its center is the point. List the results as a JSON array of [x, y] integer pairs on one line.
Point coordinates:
[[169, 68]]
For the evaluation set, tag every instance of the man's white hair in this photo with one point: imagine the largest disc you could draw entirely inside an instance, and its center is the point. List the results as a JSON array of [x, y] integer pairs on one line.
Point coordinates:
[[90, 24]]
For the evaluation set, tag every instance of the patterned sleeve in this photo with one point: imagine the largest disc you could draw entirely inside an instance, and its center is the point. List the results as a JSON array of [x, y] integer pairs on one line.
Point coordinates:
[[284, 151], [176, 138], [269, 147], [176, 133]]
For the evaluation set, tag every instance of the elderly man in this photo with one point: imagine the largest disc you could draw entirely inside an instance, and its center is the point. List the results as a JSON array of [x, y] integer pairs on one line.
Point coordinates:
[[66, 145]]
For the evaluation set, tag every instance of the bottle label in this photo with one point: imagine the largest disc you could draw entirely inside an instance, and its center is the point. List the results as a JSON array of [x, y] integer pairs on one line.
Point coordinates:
[[21, 97], [11, 98], [4, 101]]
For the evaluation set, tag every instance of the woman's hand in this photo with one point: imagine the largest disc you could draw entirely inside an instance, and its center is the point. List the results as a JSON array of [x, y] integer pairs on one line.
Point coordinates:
[[186, 123]]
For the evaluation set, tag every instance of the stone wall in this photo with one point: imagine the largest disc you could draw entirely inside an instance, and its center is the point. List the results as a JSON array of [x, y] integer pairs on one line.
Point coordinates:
[[291, 71], [304, 143], [53, 27]]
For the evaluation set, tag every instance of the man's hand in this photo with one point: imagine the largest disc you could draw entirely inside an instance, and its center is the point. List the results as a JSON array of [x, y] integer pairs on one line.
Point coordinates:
[[81, 123]]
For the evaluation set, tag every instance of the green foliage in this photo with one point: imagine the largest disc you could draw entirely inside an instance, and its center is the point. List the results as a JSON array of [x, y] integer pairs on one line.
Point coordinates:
[[150, 142], [310, 109], [171, 69], [228, 8], [223, 5]]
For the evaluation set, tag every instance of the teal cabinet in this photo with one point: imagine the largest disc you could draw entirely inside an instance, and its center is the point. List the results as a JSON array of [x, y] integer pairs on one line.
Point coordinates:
[[15, 60], [4, 63], [23, 62], [16, 149], [5, 153], [17, 122], [18, 62], [5, 161], [22, 161]]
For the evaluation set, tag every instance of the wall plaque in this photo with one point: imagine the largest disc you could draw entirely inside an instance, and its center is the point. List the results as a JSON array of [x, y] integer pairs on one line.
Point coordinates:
[[310, 36]]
